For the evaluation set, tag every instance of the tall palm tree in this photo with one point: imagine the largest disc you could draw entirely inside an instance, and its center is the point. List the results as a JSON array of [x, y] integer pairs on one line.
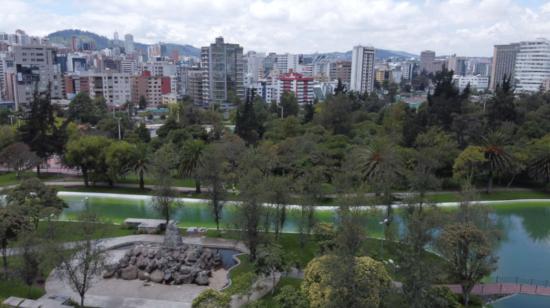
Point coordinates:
[[539, 164], [498, 158], [191, 160]]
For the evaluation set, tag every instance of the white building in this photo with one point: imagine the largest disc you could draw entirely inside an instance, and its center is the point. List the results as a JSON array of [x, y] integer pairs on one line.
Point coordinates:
[[532, 65], [477, 82], [300, 85], [287, 62], [115, 88], [362, 69], [254, 67]]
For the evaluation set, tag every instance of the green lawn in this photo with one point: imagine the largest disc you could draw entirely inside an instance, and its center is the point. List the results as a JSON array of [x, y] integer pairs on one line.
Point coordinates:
[[238, 275], [68, 231], [497, 195], [9, 178]]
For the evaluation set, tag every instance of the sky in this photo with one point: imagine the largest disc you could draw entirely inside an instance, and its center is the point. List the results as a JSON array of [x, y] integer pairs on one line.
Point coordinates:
[[462, 27]]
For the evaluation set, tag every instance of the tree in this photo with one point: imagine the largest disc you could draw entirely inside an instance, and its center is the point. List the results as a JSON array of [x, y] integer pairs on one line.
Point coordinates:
[[85, 110], [289, 104], [290, 297], [539, 160], [119, 157], [142, 104], [278, 196], [38, 130], [501, 107], [417, 272], [18, 156], [141, 163], [12, 222], [7, 136], [81, 265], [270, 261], [469, 243], [31, 255], [211, 298], [191, 160], [497, 156], [335, 114], [469, 253], [211, 172], [247, 125], [328, 283], [468, 163], [143, 133], [164, 200], [251, 209], [35, 200], [87, 153]]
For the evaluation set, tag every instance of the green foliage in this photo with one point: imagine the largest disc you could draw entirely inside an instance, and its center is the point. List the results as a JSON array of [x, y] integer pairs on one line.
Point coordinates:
[[87, 153], [291, 297], [35, 200], [289, 105], [210, 298], [247, 124], [329, 279], [85, 110], [120, 156]]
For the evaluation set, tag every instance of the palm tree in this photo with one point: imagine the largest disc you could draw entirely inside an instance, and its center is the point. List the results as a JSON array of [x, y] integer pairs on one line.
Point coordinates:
[[539, 164], [498, 158], [380, 165], [191, 161], [141, 163]]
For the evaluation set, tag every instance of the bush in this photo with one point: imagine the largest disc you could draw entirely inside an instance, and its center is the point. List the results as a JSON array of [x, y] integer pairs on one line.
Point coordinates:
[[443, 297], [329, 282], [210, 298], [290, 297]]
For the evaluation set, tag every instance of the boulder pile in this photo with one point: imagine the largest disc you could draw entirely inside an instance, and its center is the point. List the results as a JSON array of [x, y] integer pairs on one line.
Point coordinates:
[[169, 265]]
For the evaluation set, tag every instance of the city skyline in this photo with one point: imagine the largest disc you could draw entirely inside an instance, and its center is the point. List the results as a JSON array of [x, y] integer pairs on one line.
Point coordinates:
[[302, 27]]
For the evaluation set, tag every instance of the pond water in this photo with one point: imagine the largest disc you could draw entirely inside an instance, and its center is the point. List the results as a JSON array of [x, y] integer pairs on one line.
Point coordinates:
[[524, 251]]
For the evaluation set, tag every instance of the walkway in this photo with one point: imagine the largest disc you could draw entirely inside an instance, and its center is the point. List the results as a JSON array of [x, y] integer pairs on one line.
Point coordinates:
[[504, 289]]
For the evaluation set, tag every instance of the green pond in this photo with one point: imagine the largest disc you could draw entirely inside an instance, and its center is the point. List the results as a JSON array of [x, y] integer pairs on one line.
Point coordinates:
[[524, 250]]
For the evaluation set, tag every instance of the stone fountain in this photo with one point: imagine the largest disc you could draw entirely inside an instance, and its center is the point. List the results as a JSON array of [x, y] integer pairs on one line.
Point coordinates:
[[172, 262]]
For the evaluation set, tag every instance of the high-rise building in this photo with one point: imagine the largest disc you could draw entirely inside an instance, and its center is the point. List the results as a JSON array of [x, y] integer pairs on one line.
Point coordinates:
[[340, 70], [287, 62], [156, 51], [34, 68], [362, 69], [457, 64], [301, 86], [504, 62], [407, 69], [427, 58], [223, 73], [194, 85], [254, 67], [129, 43], [532, 65], [115, 88]]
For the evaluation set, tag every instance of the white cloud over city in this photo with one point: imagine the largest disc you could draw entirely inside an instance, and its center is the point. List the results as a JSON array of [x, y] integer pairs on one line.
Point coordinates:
[[465, 27]]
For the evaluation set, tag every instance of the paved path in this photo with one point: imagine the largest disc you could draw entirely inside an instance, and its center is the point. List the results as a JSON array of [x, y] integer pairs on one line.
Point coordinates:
[[121, 241], [504, 289]]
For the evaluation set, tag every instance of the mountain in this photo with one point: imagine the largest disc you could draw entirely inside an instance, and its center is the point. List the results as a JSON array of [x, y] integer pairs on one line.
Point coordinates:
[[379, 54], [64, 37]]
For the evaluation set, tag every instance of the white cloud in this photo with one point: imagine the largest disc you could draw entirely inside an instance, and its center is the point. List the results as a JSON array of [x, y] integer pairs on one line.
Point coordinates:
[[464, 27]]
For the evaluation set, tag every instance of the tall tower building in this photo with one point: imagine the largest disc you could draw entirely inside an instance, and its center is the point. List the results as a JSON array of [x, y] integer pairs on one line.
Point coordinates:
[[504, 61], [532, 65], [223, 73], [427, 59], [362, 69], [129, 43]]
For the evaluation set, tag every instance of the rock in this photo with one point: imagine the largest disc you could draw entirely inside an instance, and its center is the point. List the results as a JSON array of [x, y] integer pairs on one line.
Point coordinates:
[[172, 236], [202, 278], [184, 269], [109, 273], [133, 260], [157, 276], [187, 278], [129, 273], [142, 275], [142, 263]]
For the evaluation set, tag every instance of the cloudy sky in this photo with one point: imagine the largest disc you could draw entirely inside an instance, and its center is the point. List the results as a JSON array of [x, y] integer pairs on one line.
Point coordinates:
[[464, 27]]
